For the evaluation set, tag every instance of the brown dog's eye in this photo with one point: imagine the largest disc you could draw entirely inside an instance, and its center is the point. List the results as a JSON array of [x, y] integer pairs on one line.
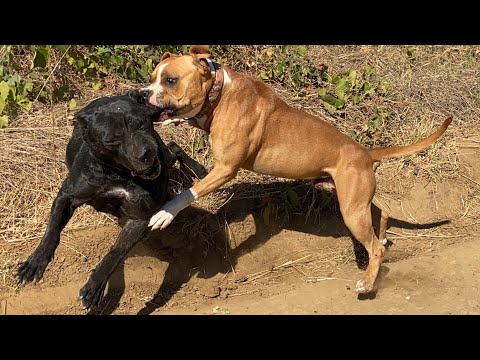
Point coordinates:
[[171, 81]]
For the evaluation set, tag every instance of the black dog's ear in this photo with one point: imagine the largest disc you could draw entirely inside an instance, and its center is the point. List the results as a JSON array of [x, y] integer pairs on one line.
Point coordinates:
[[83, 118], [135, 94]]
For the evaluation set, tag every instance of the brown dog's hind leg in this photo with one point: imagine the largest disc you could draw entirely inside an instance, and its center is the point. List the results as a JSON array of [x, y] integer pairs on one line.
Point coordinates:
[[355, 188], [383, 227]]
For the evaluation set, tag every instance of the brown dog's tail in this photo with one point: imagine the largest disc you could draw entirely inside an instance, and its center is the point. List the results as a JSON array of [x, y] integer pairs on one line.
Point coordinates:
[[397, 151]]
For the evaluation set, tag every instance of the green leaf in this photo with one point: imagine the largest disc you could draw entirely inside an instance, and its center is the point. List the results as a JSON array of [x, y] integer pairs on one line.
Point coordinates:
[[2, 104], [342, 86], [339, 103], [368, 72], [24, 103], [72, 104], [96, 86], [383, 87], [3, 90], [41, 57], [411, 50], [3, 121], [279, 69], [296, 81], [263, 75], [13, 91], [70, 59], [293, 197], [340, 94], [199, 144], [330, 108], [330, 99], [301, 50], [355, 99], [284, 49], [335, 79], [376, 122], [14, 80], [61, 93], [352, 78], [367, 88], [322, 92], [62, 48], [149, 63], [28, 86]]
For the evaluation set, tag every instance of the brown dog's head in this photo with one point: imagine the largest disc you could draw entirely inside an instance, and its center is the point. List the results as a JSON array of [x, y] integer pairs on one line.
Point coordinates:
[[179, 84]]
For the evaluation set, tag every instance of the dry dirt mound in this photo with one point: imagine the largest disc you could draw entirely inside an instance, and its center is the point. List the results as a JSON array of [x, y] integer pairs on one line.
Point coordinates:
[[244, 266]]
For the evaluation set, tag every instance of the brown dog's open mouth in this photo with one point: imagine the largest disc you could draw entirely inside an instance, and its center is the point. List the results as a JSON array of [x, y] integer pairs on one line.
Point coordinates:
[[166, 113], [150, 173]]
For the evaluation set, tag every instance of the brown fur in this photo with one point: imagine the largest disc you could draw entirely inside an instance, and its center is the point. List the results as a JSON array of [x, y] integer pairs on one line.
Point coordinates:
[[252, 128]]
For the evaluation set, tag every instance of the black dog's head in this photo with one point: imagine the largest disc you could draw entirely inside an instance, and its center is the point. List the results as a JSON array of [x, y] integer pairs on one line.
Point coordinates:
[[119, 129]]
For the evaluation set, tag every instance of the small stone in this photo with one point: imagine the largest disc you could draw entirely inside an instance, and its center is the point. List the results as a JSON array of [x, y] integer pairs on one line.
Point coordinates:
[[210, 291], [232, 287]]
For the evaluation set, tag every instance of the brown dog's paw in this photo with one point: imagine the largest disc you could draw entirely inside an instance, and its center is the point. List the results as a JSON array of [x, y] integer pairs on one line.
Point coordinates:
[[363, 287]]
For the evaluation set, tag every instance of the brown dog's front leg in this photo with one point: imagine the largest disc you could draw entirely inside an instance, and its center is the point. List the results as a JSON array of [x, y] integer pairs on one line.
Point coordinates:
[[219, 176]]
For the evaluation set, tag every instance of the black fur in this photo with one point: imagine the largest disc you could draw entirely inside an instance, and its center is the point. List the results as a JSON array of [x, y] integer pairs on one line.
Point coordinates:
[[118, 164]]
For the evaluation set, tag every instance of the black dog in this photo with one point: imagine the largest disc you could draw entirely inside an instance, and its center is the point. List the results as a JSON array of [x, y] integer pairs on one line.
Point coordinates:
[[118, 164]]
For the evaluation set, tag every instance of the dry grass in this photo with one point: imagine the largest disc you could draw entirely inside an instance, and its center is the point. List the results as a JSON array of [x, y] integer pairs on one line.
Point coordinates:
[[442, 81]]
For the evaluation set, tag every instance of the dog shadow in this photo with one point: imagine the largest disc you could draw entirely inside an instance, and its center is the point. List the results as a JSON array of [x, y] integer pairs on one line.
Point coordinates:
[[196, 243]]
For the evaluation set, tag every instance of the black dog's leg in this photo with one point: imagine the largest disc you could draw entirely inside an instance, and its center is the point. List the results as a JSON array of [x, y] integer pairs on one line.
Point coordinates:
[[177, 153], [61, 213], [92, 293]]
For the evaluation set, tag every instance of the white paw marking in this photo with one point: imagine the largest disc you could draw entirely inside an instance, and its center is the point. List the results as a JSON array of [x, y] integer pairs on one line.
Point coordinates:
[[360, 288], [161, 220], [167, 213]]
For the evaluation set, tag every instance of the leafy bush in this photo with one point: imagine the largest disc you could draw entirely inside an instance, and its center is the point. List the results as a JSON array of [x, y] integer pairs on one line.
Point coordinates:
[[51, 73]]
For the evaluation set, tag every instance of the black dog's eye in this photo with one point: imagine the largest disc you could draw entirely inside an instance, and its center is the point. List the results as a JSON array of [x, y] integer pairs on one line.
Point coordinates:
[[112, 143], [171, 81]]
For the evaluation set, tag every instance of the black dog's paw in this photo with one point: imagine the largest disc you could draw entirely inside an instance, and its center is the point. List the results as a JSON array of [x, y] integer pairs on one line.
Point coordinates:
[[32, 269], [92, 293]]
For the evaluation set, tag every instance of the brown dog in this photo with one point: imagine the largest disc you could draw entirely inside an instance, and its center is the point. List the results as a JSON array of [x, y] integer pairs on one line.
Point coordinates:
[[252, 128]]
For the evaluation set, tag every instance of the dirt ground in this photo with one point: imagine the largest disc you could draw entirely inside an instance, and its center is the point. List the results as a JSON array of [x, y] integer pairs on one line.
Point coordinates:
[[226, 256], [302, 268]]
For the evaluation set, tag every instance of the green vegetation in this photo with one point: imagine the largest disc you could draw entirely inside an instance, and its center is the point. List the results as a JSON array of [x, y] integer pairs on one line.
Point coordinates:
[[51, 74]]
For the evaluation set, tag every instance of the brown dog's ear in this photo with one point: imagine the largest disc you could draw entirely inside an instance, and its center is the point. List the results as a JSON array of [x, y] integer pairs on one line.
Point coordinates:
[[199, 54], [200, 51], [166, 55]]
